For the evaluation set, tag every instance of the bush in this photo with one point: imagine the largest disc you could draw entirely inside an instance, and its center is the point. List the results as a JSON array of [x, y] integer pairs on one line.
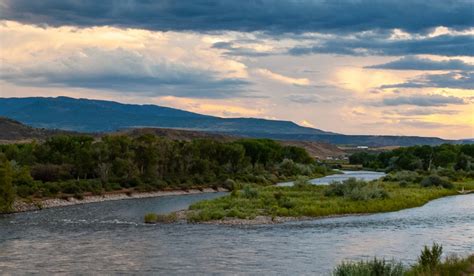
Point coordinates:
[[356, 190], [230, 185], [430, 257], [407, 176], [436, 181], [151, 218], [301, 182], [374, 267], [169, 218], [249, 192]]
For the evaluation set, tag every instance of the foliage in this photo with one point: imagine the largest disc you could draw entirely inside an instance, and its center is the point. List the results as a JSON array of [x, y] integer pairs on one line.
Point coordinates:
[[430, 257], [157, 218], [356, 190], [434, 180], [376, 267], [425, 158], [7, 192], [151, 218], [78, 165], [429, 263]]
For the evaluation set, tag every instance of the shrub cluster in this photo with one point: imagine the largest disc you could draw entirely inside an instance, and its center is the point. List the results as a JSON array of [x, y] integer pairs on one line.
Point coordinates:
[[434, 180], [356, 190]]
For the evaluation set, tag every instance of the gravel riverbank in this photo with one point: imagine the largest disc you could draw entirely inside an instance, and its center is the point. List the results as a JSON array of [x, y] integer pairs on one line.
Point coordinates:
[[25, 206]]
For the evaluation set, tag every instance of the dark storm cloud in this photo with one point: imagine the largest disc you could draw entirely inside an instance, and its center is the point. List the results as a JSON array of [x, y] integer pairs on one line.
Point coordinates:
[[416, 63], [422, 100], [273, 16], [377, 44], [456, 80]]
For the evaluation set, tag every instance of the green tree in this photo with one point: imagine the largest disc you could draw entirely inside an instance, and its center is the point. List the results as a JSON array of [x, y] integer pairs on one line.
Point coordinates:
[[7, 192]]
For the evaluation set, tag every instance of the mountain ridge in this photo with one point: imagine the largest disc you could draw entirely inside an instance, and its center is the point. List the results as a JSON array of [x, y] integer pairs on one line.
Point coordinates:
[[86, 115]]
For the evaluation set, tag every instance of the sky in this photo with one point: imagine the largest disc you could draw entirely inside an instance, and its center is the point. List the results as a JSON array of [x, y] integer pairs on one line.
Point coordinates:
[[355, 67]]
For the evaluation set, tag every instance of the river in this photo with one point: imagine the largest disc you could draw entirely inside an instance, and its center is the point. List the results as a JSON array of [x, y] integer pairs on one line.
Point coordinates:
[[110, 238], [344, 175]]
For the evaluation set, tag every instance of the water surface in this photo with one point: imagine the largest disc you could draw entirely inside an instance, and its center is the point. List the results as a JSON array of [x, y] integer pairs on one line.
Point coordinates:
[[109, 238], [361, 175]]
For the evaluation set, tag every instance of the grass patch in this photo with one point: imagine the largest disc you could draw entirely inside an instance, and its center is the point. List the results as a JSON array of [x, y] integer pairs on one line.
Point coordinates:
[[302, 200], [156, 218]]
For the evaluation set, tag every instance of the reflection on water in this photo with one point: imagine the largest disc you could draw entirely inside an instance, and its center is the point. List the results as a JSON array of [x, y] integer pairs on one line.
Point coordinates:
[[362, 175], [109, 237]]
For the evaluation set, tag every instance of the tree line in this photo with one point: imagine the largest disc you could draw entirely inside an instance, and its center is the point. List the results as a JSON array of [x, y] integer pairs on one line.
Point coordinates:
[[73, 165], [424, 158]]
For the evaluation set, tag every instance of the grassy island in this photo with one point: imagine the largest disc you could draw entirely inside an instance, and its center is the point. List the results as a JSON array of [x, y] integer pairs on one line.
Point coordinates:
[[309, 201]]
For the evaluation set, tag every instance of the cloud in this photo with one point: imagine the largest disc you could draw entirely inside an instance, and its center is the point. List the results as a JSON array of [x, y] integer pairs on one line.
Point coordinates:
[[416, 63], [456, 80], [124, 71], [273, 16], [382, 45], [283, 79], [306, 124], [425, 124], [424, 111], [423, 100], [232, 50], [303, 99]]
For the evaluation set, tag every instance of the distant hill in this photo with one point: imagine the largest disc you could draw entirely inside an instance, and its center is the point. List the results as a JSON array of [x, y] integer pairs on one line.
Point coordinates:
[[104, 116], [84, 115], [11, 130]]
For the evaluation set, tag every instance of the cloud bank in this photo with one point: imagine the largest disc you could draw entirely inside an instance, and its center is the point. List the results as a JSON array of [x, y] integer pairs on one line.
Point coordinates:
[[272, 16]]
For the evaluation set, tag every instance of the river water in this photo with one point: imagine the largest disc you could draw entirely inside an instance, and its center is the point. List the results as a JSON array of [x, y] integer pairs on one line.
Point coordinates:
[[361, 175], [110, 238]]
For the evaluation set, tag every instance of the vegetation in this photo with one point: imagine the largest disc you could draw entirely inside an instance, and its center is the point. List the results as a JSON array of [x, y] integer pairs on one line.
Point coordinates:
[[457, 159], [349, 197], [156, 218], [429, 263], [7, 192], [374, 267], [75, 165]]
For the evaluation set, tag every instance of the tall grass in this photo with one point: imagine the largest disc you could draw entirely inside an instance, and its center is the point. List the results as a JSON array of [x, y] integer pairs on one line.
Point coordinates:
[[429, 263], [376, 267]]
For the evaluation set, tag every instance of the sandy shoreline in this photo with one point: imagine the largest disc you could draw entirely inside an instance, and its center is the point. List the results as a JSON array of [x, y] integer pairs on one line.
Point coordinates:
[[23, 206]]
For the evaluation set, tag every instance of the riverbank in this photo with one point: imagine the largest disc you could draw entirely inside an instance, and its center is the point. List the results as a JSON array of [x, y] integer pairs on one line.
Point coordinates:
[[23, 205]]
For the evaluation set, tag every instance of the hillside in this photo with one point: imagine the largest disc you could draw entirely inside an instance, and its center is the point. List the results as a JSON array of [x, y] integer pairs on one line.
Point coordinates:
[[104, 116], [91, 116], [14, 131]]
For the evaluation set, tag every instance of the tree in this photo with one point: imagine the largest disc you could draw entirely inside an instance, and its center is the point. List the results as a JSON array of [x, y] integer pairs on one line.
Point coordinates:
[[7, 192]]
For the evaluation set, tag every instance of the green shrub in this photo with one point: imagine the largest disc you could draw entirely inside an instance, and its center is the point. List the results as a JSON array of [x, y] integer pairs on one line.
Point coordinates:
[[375, 267], [167, 218], [356, 190], [249, 192], [301, 182], [407, 176], [434, 180], [430, 257], [151, 218]]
